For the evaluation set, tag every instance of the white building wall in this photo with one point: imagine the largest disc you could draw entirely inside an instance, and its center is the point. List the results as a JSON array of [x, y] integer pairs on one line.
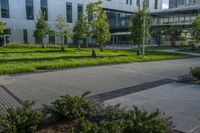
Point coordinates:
[[18, 22]]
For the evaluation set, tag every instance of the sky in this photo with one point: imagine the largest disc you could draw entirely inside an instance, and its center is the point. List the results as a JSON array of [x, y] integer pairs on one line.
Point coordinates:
[[165, 4]]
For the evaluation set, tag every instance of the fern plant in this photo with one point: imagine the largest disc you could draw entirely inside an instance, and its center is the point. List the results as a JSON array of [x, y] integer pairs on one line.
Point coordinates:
[[69, 107], [20, 120]]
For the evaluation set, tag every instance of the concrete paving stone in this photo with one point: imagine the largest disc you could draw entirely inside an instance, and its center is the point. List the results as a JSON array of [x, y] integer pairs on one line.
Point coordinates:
[[6, 100], [177, 100]]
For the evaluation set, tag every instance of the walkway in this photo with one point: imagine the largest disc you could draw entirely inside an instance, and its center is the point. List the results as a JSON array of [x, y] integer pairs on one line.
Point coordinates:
[[117, 80]]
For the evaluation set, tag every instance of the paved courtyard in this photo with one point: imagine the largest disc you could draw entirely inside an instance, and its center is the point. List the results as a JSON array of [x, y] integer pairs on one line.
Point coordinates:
[[176, 100], [110, 81]]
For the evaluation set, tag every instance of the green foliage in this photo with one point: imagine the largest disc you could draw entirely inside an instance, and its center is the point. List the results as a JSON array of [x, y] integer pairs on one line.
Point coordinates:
[[42, 29], [173, 33], [114, 120], [19, 59], [137, 121], [136, 26], [80, 30], [195, 72], [2, 28], [69, 107], [20, 120], [62, 30], [195, 29], [98, 25]]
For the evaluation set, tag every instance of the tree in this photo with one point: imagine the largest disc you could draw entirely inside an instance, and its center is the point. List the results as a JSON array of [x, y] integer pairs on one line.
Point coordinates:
[[140, 27], [62, 30], [2, 28], [102, 33], [42, 29], [195, 29], [98, 25], [80, 30], [172, 33]]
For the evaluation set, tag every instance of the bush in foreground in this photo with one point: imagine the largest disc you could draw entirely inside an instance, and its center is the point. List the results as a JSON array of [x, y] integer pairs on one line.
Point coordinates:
[[69, 107], [78, 115], [114, 120], [195, 72], [20, 120]]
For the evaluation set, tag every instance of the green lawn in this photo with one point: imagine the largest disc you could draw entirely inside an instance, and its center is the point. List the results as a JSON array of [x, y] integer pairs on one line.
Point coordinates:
[[19, 60]]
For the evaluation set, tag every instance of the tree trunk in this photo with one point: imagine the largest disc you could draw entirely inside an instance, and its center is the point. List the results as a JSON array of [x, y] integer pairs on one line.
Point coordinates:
[[172, 41], [42, 43], [62, 46], [93, 53], [78, 45], [101, 49], [138, 50]]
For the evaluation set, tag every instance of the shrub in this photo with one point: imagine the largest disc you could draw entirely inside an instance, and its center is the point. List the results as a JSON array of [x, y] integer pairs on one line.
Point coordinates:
[[103, 120], [20, 120], [195, 72], [69, 107], [137, 121], [114, 120]]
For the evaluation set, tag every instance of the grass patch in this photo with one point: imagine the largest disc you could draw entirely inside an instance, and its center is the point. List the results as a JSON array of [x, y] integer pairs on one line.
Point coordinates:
[[26, 59]]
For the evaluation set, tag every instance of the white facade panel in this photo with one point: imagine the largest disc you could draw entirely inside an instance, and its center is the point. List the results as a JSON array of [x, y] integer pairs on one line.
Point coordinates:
[[17, 21]]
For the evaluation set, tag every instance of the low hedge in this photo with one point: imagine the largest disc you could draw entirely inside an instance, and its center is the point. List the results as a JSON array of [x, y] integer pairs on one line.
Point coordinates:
[[195, 71], [90, 118]]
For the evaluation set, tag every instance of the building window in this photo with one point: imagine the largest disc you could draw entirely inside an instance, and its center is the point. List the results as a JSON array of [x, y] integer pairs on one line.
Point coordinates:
[[156, 4], [5, 9], [69, 12], [147, 2], [138, 3], [80, 10], [25, 35], [127, 2], [44, 8], [29, 10], [131, 2], [52, 39]]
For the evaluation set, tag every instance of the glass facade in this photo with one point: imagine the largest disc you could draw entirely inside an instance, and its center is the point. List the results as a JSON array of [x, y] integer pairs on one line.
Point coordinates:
[[118, 19], [184, 19], [69, 12], [29, 10], [80, 10], [5, 9], [44, 8]]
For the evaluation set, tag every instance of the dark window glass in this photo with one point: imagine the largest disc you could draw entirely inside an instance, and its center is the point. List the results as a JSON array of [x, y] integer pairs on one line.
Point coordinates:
[[69, 12], [80, 10], [138, 3], [29, 10], [44, 8], [156, 4], [52, 40], [25, 34], [5, 9]]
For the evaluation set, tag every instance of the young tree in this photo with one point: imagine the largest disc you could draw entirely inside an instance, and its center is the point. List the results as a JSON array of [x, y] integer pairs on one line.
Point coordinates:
[[80, 30], [102, 32], [62, 30], [98, 25], [195, 29], [2, 28], [42, 29], [140, 27], [173, 33]]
